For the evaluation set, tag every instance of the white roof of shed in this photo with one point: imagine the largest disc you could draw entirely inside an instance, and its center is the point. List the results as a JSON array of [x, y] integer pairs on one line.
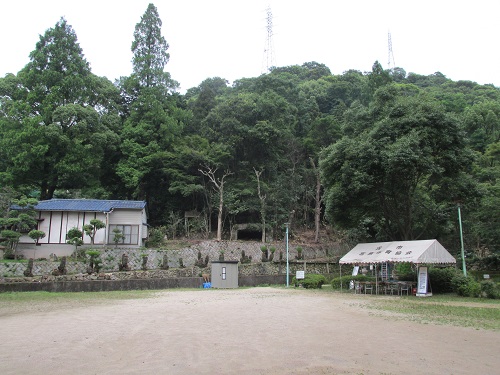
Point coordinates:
[[418, 252]]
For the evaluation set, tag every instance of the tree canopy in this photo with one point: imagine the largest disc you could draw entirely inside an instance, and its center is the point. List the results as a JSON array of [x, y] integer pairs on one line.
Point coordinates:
[[378, 155]]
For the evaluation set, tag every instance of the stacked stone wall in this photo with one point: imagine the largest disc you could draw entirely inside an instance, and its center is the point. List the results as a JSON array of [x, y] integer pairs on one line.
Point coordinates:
[[232, 250]]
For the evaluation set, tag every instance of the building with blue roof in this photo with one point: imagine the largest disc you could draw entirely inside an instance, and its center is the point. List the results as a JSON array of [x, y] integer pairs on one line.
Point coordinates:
[[57, 216]]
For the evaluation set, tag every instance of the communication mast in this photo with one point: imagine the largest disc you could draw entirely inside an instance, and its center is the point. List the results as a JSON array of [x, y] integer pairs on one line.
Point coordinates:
[[269, 59], [390, 64]]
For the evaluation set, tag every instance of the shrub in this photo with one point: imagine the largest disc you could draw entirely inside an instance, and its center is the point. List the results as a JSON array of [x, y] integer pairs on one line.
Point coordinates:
[[440, 279], [156, 237], [347, 279], [95, 262], [489, 262], [299, 253], [490, 289], [311, 281], [405, 272], [465, 286]]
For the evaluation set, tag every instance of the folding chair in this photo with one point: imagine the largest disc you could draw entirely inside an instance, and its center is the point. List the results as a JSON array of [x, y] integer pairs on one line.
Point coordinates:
[[405, 287], [394, 288], [369, 286]]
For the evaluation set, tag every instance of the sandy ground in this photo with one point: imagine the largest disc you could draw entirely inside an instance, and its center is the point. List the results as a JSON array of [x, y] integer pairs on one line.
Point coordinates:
[[243, 331]]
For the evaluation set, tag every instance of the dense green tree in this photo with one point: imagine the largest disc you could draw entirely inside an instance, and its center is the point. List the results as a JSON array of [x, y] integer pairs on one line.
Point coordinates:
[[378, 77], [56, 118], [202, 99], [400, 176], [395, 147]]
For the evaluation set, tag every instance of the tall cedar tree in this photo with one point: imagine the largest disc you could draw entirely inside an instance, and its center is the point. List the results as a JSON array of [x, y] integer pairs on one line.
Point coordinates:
[[150, 50], [154, 121]]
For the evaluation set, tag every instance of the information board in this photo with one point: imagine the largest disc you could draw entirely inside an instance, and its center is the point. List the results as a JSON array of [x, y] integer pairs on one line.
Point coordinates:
[[299, 275], [422, 280]]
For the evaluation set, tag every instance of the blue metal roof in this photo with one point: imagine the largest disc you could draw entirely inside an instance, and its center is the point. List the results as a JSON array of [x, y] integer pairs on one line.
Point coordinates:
[[88, 205]]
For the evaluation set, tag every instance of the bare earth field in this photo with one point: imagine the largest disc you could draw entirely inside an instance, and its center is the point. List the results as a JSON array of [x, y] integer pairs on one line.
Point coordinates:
[[241, 331]]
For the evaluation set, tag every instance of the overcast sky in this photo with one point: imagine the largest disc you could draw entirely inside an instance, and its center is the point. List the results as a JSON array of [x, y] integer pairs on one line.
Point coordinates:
[[223, 38]]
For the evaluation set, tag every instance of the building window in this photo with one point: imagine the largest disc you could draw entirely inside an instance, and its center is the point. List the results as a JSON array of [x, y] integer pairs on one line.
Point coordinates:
[[130, 234]]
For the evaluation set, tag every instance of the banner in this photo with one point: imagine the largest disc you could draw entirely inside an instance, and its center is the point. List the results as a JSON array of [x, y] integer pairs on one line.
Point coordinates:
[[422, 280]]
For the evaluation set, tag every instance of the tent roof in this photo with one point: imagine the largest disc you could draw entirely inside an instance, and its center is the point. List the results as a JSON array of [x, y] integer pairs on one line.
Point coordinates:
[[419, 252]]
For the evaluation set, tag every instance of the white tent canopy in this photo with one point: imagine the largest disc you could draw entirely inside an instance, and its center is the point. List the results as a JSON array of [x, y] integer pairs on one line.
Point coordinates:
[[417, 252]]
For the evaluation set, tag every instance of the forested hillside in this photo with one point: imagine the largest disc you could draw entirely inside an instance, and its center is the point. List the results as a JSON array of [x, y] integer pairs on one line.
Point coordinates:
[[378, 155]]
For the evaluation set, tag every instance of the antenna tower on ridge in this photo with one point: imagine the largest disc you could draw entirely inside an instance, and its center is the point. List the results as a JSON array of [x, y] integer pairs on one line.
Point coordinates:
[[391, 64], [269, 58]]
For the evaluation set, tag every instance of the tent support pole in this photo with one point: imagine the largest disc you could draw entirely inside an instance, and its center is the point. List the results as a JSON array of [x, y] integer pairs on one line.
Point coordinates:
[[341, 278]]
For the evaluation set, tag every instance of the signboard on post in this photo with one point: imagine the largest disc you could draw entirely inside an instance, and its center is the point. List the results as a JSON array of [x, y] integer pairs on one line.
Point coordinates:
[[422, 282], [299, 275]]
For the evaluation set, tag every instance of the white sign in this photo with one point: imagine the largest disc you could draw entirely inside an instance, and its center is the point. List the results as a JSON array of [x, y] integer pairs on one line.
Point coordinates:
[[299, 275], [486, 276], [355, 270], [422, 280]]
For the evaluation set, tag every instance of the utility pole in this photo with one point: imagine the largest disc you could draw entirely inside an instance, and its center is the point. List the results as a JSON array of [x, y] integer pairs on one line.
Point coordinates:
[[287, 266], [462, 242]]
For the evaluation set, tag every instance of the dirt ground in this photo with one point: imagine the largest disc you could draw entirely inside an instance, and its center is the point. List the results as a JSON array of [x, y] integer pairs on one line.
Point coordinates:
[[241, 331]]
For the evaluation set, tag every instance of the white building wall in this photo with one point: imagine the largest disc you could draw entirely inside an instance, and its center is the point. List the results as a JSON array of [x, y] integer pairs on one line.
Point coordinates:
[[128, 217], [132, 217], [56, 225], [44, 226], [100, 235]]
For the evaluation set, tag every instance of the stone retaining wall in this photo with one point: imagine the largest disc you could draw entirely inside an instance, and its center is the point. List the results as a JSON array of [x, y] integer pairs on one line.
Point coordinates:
[[232, 251], [132, 284], [100, 285], [244, 270]]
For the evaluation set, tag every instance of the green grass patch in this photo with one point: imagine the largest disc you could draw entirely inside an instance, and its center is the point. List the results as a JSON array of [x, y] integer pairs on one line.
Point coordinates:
[[449, 310], [76, 296], [13, 260]]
